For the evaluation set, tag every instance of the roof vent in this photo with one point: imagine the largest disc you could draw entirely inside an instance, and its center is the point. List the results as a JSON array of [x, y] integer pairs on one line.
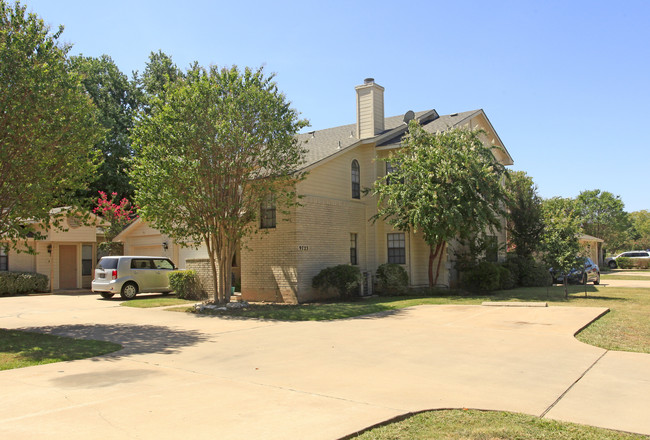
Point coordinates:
[[313, 134], [409, 116], [454, 114], [369, 80]]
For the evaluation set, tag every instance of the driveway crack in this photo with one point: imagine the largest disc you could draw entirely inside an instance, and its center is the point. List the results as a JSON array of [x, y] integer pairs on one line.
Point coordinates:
[[572, 385]]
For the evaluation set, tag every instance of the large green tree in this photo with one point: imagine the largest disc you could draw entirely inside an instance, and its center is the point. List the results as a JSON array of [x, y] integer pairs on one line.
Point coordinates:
[[640, 233], [525, 224], [117, 99], [560, 245], [47, 124], [220, 143], [159, 72], [445, 185], [603, 215]]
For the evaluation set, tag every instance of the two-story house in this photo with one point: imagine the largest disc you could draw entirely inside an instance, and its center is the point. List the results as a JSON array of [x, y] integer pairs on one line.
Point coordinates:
[[332, 224]]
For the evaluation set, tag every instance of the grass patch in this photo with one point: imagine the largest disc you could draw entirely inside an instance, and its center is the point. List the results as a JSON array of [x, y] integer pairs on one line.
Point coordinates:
[[625, 277], [145, 303], [625, 328], [24, 349], [487, 425]]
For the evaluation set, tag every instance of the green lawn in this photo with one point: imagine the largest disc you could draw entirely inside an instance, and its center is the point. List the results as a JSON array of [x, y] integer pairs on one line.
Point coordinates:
[[626, 327], [487, 425], [25, 349], [625, 277], [156, 301]]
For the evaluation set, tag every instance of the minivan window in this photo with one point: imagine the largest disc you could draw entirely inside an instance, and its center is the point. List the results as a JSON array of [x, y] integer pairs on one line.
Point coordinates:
[[163, 264], [141, 264], [107, 263]]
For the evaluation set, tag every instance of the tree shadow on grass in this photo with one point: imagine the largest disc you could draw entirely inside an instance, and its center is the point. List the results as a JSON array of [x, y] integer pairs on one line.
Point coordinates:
[[135, 339]]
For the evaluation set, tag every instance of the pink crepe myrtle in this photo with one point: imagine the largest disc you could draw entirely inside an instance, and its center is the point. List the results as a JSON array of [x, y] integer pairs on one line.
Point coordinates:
[[120, 215]]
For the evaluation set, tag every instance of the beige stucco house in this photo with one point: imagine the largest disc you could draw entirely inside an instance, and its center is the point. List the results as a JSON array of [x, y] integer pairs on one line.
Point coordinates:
[[332, 224], [67, 255]]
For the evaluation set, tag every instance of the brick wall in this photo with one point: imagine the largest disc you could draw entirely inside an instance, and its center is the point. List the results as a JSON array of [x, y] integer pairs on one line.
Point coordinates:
[[204, 272]]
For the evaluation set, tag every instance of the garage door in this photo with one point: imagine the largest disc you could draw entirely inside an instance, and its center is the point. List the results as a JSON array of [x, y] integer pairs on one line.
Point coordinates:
[[151, 251]]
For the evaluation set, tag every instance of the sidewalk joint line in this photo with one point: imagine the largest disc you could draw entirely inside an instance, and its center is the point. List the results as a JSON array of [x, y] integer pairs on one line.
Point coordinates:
[[572, 385]]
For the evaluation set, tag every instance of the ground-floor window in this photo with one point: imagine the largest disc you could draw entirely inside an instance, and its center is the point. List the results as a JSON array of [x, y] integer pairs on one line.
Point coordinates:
[[86, 259], [353, 250], [397, 248], [4, 259], [492, 248]]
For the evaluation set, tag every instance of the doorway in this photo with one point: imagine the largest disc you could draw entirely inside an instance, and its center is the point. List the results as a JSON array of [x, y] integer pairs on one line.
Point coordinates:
[[67, 267]]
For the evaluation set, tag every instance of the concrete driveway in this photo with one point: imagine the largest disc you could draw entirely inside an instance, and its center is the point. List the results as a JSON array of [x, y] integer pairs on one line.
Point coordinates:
[[206, 377]]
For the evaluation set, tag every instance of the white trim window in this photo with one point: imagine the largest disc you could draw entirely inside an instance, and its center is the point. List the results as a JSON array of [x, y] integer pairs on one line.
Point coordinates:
[[356, 179], [396, 248]]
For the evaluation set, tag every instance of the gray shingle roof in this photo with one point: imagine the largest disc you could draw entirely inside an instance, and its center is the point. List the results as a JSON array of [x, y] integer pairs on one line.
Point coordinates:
[[321, 144]]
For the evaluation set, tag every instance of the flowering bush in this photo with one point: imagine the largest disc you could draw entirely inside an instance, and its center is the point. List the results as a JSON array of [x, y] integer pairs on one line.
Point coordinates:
[[120, 215]]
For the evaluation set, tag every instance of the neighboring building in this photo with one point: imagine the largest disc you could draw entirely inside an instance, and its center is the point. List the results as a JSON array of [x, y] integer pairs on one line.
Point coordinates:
[[593, 247], [332, 226], [67, 255]]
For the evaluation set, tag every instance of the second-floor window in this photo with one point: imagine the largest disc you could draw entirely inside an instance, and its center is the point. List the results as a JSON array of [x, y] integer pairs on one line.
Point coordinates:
[[267, 214], [356, 180]]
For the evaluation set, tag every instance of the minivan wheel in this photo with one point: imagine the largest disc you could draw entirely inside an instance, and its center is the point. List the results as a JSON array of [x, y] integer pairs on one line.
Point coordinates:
[[612, 264], [129, 291], [107, 295]]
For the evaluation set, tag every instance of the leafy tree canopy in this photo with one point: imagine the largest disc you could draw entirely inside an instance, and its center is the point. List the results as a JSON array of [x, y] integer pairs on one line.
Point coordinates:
[[159, 72], [117, 99], [47, 124], [444, 185], [560, 243], [525, 225], [603, 215], [218, 144], [640, 233]]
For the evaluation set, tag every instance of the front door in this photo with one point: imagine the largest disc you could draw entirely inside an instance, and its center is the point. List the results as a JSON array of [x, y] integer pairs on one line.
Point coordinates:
[[67, 267]]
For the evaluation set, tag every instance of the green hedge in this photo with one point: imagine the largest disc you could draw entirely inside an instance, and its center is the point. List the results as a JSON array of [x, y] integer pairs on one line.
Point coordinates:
[[392, 279], [344, 278], [12, 283], [517, 271], [186, 284], [632, 263]]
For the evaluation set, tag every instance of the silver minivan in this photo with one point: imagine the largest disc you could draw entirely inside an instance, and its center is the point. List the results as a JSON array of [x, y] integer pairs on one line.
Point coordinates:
[[130, 275]]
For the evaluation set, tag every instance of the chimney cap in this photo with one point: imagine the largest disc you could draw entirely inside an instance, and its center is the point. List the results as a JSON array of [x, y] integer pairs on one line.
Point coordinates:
[[369, 80]]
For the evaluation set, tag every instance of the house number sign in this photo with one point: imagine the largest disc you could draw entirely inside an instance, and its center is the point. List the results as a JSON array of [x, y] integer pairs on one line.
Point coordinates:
[[303, 248]]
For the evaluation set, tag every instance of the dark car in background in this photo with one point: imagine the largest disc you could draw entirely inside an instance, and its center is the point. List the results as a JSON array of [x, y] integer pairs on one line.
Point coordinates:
[[583, 273]]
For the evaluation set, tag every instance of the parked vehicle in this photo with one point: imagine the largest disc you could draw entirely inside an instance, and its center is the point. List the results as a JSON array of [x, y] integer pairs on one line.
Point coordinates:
[[583, 274], [130, 275], [611, 262]]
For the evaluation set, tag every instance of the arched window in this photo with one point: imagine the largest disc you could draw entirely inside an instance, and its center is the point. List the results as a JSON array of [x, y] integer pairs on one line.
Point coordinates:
[[356, 180]]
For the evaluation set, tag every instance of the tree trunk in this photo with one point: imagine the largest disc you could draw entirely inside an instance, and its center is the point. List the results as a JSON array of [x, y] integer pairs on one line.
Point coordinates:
[[432, 256]]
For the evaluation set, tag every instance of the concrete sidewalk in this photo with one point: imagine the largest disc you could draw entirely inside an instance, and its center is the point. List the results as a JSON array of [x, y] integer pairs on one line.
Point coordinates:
[[205, 377]]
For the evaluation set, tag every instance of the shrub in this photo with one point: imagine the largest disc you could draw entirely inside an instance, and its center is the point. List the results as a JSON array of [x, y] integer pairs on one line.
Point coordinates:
[[392, 278], [536, 275], [344, 278], [186, 284], [624, 263], [506, 278], [484, 276], [12, 283]]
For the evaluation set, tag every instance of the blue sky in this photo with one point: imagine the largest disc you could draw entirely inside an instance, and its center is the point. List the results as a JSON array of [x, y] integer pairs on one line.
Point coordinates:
[[566, 84]]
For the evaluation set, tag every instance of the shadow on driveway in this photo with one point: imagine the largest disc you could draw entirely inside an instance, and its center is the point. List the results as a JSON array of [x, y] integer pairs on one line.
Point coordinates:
[[135, 339]]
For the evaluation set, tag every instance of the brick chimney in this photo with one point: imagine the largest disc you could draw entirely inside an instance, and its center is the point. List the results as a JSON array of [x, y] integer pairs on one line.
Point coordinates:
[[370, 109]]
